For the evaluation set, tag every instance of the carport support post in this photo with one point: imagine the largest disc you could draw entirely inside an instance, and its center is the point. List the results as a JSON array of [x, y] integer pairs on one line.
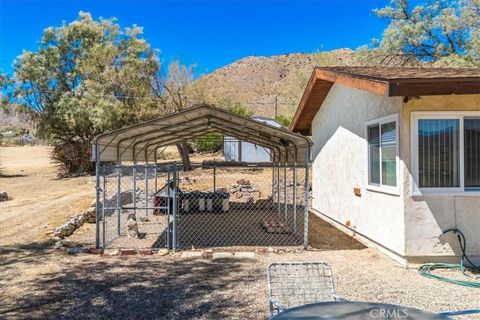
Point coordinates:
[[273, 181], [214, 177], [174, 240], [295, 194], [278, 186], [119, 193], [156, 177], [167, 216], [146, 189], [97, 198], [305, 213], [104, 202], [285, 191], [134, 190]]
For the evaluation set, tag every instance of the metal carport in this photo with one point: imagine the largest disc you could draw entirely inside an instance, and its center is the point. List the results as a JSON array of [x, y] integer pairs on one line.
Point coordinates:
[[140, 143]]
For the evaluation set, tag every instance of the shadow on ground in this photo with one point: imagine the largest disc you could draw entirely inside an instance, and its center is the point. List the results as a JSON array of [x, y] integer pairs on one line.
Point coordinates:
[[7, 176], [37, 282], [322, 235], [94, 287]]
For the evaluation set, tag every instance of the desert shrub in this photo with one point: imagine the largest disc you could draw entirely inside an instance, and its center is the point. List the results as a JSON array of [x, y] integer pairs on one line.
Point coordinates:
[[210, 142], [284, 120], [239, 109], [73, 157]]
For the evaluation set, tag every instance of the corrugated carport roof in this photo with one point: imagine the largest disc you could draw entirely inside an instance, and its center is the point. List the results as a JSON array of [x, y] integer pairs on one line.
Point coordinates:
[[140, 142]]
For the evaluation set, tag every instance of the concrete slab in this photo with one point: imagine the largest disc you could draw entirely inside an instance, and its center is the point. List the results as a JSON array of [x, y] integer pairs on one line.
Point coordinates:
[[222, 255], [162, 252], [244, 255], [110, 252], [191, 254]]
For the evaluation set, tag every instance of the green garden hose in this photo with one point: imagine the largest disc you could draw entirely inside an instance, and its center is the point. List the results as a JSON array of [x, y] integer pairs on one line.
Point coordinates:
[[426, 270]]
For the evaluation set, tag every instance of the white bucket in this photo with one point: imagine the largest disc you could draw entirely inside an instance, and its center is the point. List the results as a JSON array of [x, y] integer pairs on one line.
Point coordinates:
[[186, 205], [225, 205]]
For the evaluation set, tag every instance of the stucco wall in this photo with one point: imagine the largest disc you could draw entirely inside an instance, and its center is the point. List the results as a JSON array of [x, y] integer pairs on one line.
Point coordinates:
[[339, 165], [427, 216]]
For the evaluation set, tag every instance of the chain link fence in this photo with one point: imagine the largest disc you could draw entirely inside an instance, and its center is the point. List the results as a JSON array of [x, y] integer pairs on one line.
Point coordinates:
[[213, 205]]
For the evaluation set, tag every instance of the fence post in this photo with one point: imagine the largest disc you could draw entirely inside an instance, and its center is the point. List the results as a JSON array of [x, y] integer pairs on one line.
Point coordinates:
[[295, 194], [175, 178], [285, 200], [146, 190], [103, 207], [156, 178], [278, 187], [167, 216], [305, 213], [119, 193], [273, 182], [214, 177], [97, 198], [134, 190]]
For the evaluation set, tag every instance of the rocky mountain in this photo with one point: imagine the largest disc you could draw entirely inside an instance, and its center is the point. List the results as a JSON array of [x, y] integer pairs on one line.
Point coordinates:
[[270, 85]]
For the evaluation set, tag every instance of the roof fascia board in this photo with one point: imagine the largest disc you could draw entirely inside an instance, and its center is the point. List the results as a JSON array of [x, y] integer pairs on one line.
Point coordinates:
[[372, 85], [432, 88], [303, 101]]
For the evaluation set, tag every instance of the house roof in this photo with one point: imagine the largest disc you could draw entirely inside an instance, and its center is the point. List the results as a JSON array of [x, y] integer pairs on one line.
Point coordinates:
[[140, 141], [384, 81]]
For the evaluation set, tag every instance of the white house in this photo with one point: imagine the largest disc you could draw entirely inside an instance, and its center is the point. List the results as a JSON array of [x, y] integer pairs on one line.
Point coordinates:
[[396, 157], [238, 150]]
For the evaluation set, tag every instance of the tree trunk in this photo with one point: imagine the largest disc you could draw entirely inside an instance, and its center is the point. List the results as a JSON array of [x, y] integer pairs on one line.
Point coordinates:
[[182, 148]]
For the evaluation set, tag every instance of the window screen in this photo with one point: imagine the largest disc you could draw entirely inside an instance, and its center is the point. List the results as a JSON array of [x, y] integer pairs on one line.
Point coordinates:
[[472, 153], [382, 154], [438, 153]]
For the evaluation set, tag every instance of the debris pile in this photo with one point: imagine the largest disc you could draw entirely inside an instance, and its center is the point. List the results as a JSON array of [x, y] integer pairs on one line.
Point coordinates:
[[244, 191], [70, 247], [74, 223], [272, 226]]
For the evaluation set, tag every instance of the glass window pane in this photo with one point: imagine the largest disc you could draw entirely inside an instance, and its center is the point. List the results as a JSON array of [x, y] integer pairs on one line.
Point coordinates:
[[438, 153], [472, 153], [374, 154], [389, 154]]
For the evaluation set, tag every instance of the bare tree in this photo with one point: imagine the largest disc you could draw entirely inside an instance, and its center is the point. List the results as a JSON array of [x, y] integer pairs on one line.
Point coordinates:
[[176, 91]]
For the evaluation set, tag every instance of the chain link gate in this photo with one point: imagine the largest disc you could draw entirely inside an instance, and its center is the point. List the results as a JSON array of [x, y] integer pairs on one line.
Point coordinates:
[[157, 206]]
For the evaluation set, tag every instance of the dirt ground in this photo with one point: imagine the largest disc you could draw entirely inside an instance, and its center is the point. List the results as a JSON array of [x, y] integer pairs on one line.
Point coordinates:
[[37, 282]]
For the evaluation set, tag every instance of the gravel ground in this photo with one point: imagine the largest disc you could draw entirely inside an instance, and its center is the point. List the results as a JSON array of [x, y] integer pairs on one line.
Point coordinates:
[[37, 283]]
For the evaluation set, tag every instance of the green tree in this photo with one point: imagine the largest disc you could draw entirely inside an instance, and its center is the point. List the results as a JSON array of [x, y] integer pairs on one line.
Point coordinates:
[[238, 108], [436, 31], [87, 76], [6, 91], [284, 120]]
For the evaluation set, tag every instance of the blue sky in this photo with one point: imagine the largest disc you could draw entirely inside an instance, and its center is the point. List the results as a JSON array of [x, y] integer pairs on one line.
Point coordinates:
[[209, 34]]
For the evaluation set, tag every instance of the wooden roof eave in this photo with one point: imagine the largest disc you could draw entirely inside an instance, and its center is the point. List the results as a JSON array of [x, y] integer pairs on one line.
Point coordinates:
[[328, 78]]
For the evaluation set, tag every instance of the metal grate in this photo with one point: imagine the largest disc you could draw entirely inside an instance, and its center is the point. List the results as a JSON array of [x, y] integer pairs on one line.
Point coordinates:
[[293, 284]]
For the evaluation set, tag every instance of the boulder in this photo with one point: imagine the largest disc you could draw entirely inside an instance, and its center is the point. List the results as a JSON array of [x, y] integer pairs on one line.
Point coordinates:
[[3, 196]]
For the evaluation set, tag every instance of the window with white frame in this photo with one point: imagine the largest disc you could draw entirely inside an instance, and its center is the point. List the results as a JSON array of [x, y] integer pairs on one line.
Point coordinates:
[[446, 151], [382, 137]]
